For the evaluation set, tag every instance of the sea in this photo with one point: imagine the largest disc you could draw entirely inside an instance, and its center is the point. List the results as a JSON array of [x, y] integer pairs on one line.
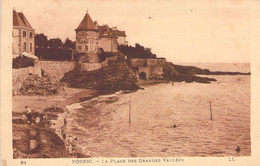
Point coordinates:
[[166, 120]]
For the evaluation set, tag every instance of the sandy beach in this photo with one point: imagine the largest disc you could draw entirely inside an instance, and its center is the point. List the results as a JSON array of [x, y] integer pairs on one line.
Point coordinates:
[[37, 103]]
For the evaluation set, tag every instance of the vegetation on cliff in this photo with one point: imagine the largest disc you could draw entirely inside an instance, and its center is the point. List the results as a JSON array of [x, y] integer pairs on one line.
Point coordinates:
[[136, 52], [114, 77]]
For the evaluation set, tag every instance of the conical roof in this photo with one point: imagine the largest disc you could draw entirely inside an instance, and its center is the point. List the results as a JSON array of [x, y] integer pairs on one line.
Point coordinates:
[[87, 24], [20, 20]]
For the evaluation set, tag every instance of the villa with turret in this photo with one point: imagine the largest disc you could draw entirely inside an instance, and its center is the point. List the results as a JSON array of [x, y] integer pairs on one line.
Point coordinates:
[[92, 38]]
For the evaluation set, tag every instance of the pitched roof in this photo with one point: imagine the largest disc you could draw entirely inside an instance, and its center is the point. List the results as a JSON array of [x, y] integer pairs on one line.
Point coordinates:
[[20, 20], [105, 31], [87, 24], [119, 33]]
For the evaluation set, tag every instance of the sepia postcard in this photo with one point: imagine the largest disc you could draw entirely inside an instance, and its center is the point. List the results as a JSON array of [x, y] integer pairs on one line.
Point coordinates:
[[132, 82]]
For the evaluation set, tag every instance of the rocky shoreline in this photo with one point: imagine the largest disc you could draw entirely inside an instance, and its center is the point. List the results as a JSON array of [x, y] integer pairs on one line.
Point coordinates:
[[178, 73]]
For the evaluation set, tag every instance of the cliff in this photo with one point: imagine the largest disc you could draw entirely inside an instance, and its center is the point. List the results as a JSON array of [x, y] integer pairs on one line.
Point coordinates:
[[114, 77]]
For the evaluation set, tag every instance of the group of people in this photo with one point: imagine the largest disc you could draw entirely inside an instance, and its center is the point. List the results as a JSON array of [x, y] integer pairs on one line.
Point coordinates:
[[29, 117], [71, 144], [70, 141]]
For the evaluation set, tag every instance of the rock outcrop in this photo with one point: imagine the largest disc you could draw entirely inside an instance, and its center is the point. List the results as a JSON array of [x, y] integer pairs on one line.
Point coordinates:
[[114, 77], [181, 73]]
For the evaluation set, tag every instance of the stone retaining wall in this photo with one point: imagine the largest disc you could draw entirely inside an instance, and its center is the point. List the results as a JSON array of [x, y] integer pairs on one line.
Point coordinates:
[[57, 69]]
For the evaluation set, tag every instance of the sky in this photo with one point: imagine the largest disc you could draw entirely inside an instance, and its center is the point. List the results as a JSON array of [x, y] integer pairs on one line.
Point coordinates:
[[181, 31]]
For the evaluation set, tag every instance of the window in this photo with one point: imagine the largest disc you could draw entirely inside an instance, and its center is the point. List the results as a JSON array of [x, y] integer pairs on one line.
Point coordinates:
[[31, 35], [24, 46], [86, 47], [31, 47], [80, 47], [24, 33]]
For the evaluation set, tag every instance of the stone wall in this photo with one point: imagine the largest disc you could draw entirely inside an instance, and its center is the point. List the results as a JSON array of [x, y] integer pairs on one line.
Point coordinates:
[[151, 67], [54, 69], [57, 69], [138, 62], [158, 62], [151, 72], [142, 62], [161, 62], [151, 62], [146, 70], [157, 70]]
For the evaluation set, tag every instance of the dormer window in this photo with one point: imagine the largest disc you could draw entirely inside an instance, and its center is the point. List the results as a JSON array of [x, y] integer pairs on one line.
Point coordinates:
[[24, 33]]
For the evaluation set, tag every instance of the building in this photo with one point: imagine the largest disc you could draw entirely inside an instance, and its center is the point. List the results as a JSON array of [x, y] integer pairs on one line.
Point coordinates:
[[121, 36], [110, 38], [23, 35], [107, 39], [87, 40], [92, 39]]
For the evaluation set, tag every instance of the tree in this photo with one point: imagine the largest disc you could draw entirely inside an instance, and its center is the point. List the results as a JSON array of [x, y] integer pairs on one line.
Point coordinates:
[[55, 43], [41, 41], [69, 44], [138, 51]]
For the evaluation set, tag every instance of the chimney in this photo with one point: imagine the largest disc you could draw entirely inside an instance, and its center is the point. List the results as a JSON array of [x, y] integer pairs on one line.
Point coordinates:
[[105, 25], [96, 23], [114, 28]]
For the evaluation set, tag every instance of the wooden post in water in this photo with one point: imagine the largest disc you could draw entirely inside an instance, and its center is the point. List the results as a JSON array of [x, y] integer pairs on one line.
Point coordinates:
[[130, 110], [210, 110]]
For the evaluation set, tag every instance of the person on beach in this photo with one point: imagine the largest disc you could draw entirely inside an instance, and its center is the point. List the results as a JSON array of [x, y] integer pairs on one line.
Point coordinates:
[[71, 144], [67, 111], [28, 115]]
